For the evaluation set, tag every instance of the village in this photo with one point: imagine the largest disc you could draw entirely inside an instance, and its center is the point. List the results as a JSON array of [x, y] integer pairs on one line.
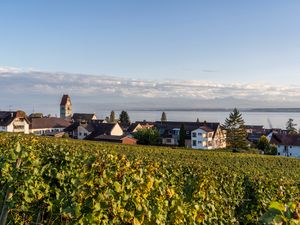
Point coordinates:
[[86, 126]]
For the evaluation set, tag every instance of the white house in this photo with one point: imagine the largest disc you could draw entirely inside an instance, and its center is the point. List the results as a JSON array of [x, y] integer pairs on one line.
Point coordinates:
[[206, 138], [48, 125], [14, 121], [105, 129], [80, 130], [287, 144]]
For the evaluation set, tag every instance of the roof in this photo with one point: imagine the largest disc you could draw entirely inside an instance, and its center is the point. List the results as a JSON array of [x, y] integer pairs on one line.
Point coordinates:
[[285, 139], [143, 124], [206, 128], [166, 127], [188, 126], [83, 116], [64, 99], [48, 122], [6, 117], [112, 138], [100, 129]]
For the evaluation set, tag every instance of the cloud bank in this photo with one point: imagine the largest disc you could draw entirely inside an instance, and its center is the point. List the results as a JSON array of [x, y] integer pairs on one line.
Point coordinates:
[[28, 88]]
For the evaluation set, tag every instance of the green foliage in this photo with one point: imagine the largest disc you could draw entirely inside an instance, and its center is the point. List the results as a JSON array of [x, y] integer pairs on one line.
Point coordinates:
[[291, 126], [65, 135], [124, 119], [147, 136], [264, 145], [182, 133], [64, 181], [285, 214], [163, 117], [236, 135]]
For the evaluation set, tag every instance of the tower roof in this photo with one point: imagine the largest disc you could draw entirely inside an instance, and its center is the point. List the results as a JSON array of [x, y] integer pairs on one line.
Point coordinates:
[[64, 99]]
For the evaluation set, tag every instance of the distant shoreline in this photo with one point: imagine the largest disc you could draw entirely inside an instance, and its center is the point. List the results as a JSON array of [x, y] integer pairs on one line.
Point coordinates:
[[275, 110]]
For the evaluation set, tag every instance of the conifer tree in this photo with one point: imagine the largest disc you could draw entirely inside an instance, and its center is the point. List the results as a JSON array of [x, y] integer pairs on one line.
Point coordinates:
[[181, 142], [291, 126], [164, 117], [124, 119], [112, 117], [236, 133]]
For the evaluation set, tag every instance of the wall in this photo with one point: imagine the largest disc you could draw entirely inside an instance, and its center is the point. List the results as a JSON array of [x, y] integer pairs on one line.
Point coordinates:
[[293, 151], [117, 130], [203, 140]]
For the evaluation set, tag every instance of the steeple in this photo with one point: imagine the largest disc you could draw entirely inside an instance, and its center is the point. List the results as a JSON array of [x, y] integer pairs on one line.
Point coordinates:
[[65, 107]]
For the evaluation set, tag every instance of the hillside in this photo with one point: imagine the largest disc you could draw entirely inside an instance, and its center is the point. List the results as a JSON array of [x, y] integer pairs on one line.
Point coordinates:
[[57, 181]]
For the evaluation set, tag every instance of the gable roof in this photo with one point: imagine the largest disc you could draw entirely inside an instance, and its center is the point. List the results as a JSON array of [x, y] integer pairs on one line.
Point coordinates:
[[285, 139], [101, 129], [206, 128], [64, 99], [143, 124], [166, 127], [48, 122], [83, 116], [188, 126], [6, 117]]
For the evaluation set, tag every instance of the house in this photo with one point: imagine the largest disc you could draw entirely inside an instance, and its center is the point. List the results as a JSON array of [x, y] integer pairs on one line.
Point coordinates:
[[83, 117], [208, 136], [133, 128], [287, 144], [169, 131], [65, 107], [254, 132], [47, 125], [123, 139], [80, 130], [14, 121], [107, 129]]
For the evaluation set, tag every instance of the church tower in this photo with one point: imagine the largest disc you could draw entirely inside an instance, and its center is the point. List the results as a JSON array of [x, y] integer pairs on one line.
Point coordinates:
[[65, 107]]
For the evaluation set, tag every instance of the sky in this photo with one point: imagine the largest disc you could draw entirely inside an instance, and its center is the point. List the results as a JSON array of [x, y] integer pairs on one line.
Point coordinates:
[[225, 43]]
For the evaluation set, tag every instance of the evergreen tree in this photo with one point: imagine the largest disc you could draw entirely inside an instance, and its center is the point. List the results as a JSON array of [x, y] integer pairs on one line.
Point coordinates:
[[291, 126], [112, 117], [124, 119], [181, 142], [236, 133], [198, 121], [163, 117]]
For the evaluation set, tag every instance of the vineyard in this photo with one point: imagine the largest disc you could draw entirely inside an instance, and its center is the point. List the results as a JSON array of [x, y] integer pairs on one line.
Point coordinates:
[[61, 181]]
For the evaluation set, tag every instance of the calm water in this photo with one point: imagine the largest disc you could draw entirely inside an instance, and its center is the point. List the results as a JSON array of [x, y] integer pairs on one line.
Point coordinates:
[[277, 119]]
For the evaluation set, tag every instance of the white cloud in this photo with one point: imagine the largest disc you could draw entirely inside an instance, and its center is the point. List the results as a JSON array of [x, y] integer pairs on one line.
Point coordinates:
[[29, 82]]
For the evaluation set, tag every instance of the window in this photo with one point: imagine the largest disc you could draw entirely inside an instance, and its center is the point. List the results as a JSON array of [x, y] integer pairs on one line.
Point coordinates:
[[194, 143], [199, 142], [199, 134], [204, 135], [85, 134], [80, 133], [291, 146], [187, 132], [169, 140], [209, 135], [194, 134]]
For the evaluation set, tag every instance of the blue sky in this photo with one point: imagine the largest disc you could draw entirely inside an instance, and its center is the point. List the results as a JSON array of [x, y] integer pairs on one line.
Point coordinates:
[[220, 41]]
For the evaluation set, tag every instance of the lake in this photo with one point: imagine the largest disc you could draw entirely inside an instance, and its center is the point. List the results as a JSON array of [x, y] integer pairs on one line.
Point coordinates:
[[274, 119]]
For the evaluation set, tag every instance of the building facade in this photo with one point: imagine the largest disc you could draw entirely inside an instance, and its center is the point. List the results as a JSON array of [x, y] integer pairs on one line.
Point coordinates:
[[65, 107], [14, 121]]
